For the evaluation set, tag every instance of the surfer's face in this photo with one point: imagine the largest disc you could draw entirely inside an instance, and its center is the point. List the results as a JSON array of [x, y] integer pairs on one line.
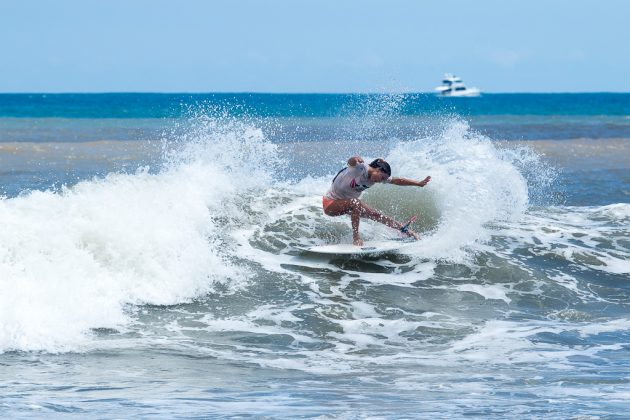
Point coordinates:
[[379, 170], [376, 175]]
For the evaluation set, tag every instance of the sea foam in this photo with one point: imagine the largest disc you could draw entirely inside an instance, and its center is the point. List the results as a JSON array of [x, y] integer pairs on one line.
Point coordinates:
[[473, 183], [71, 261]]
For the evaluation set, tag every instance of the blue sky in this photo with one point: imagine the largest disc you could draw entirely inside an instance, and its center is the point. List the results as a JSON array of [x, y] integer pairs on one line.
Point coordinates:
[[313, 46]]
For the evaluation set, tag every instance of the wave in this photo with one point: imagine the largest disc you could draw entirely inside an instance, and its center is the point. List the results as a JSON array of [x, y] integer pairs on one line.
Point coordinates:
[[220, 212], [73, 260]]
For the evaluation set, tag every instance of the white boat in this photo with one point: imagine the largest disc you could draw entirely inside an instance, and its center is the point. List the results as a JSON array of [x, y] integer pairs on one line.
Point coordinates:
[[453, 86]]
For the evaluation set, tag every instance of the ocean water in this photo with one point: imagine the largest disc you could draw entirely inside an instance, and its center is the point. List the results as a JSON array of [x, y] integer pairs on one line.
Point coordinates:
[[151, 262]]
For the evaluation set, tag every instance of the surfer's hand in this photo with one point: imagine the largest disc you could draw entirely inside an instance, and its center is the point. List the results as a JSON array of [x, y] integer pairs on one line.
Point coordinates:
[[425, 181], [354, 160]]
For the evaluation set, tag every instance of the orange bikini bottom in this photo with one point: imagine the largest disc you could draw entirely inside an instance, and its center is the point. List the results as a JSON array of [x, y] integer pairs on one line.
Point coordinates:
[[326, 202]]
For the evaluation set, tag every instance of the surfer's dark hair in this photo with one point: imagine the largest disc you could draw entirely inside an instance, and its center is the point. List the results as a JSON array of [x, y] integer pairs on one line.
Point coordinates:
[[382, 165]]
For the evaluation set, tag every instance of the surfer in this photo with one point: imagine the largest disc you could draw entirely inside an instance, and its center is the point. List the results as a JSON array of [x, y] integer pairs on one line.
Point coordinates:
[[343, 195]]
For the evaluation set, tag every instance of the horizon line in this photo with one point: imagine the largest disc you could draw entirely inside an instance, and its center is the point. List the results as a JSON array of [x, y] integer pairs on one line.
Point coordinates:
[[296, 93]]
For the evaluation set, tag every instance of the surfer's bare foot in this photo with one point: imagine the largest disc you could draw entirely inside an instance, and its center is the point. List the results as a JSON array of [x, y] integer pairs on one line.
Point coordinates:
[[358, 241], [412, 234]]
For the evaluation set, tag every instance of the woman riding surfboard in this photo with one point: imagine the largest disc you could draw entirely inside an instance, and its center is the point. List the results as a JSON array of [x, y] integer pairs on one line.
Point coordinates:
[[343, 195]]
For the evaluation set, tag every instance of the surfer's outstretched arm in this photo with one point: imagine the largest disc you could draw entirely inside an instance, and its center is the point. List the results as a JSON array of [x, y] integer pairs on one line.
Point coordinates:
[[410, 182]]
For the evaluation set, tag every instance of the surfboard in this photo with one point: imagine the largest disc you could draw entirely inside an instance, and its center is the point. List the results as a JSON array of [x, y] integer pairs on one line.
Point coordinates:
[[368, 248]]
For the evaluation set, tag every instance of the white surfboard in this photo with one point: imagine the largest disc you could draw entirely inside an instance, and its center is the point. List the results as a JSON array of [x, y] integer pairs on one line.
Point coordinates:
[[368, 248]]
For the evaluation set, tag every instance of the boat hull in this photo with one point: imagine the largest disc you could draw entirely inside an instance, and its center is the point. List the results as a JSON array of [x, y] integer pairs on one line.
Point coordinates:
[[468, 93]]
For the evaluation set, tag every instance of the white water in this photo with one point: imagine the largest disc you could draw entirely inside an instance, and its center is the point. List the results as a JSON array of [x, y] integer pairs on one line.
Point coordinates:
[[85, 257], [73, 260]]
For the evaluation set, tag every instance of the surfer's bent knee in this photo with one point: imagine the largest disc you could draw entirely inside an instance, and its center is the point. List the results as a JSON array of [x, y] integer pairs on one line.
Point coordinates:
[[330, 207], [339, 207]]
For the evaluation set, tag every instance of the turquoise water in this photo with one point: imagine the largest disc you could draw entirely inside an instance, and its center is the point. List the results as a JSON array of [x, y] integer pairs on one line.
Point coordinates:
[[151, 259], [155, 105]]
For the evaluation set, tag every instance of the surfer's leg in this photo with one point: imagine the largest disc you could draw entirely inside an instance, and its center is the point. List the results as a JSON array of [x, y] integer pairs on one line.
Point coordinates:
[[372, 214], [339, 207], [355, 219], [377, 216], [357, 209], [353, 207]]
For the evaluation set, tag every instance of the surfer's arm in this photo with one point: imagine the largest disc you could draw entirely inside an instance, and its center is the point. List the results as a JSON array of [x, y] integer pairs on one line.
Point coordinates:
[[410, 182], [352, 162]]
